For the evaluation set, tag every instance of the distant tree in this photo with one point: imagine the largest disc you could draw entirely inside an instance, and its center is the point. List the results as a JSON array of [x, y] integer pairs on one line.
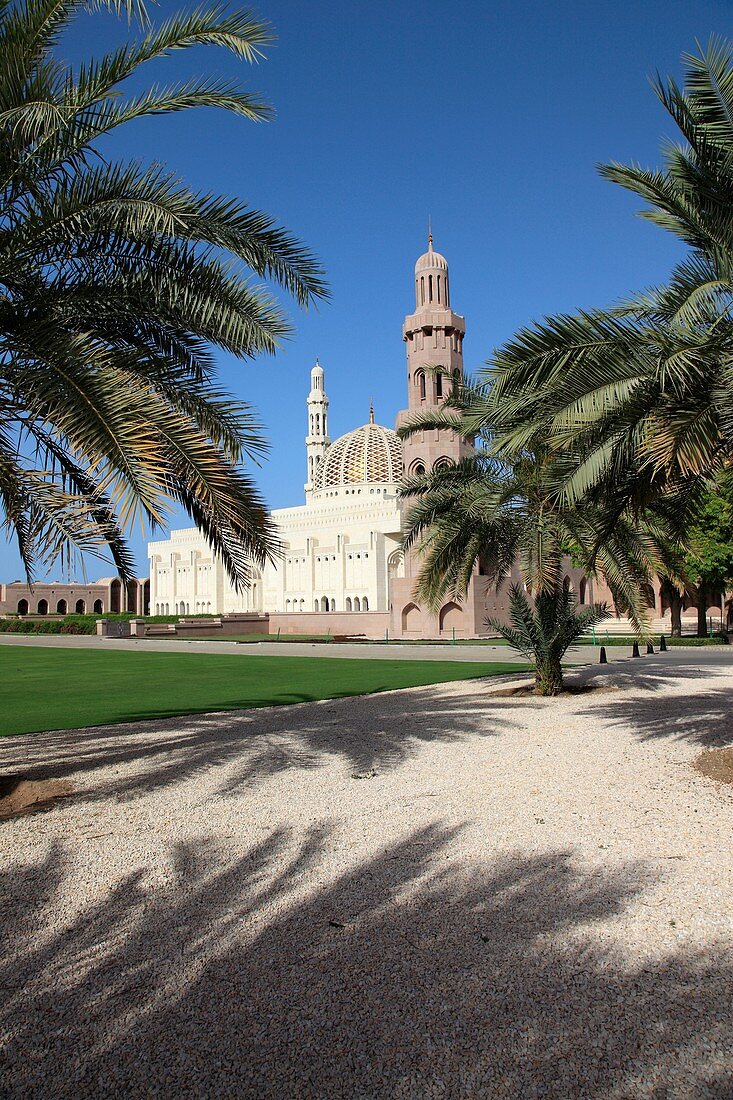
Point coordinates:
[[117, 284], [709, 558]]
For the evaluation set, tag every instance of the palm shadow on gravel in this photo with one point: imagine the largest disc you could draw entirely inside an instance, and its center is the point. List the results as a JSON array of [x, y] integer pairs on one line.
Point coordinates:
[[407, 977], [372, 732], [702, 717]]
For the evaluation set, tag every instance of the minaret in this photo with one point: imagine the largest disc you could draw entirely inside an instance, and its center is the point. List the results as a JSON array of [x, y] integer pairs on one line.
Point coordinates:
[[434, 338], [317, 441]]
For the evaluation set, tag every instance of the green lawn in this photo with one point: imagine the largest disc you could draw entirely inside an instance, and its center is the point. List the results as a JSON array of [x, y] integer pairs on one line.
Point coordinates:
[[44, 688]]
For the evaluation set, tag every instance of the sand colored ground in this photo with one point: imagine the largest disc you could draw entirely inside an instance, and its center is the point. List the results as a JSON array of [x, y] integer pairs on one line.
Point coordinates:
[[437, 892]]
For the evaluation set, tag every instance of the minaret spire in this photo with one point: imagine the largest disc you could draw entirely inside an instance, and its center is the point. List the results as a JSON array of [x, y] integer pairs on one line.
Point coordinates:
[[371, 411], [430, 233], [317, 441]]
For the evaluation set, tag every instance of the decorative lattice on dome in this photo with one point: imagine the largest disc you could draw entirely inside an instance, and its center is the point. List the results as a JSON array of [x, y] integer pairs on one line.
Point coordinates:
[[368, 455]]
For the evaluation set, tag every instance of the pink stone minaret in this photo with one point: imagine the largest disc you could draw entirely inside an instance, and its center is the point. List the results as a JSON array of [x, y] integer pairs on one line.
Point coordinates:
[[434, 338]]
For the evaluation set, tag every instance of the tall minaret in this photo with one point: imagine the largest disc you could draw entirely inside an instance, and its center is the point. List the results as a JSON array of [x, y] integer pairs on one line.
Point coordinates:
[[317, 441], [434, 338]]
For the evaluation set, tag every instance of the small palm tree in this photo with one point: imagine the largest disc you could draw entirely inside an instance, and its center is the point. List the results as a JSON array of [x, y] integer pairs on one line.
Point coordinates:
[[117, 285], [545, 632]]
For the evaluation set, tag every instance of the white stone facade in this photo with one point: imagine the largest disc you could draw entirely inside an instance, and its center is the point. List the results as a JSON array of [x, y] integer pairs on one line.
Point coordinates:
[[340, 548]]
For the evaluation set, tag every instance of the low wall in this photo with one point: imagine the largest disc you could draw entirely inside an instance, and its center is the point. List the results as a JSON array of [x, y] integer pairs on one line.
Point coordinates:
[[227, 626], [370, 624]]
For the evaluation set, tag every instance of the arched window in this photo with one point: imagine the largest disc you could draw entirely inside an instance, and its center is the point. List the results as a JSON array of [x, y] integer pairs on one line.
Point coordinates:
[[80, 607], [22, 607], [324, 603], [582, 590], [437, 283], [317, 606], [365, 604], [422, 290], [61, 607], [302, 605], [287, 605], [98, 607], [430, 287], [348, 603], [447, 295], [357, 604], [420, 381], [43, 607]]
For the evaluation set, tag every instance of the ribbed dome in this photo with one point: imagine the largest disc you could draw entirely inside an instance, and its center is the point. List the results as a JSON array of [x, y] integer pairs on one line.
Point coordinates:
[[369, 455], [430, 261]]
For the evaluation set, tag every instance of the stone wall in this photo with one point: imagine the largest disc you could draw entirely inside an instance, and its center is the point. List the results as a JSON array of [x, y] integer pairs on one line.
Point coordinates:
[[369, 624]]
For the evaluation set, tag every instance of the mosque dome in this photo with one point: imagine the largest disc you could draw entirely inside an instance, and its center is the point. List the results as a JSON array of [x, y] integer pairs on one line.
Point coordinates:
[[370, 455], [430, 261]]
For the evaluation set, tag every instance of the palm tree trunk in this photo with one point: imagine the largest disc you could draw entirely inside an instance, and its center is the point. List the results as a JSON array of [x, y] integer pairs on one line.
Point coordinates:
[[548, 676], [702, 619], [675, 607]]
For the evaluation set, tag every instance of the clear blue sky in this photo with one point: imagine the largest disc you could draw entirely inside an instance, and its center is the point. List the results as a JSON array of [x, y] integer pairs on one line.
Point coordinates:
[[489, 116]]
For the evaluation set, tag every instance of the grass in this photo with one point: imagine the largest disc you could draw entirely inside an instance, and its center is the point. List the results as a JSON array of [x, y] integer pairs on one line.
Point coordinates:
[[46, 688]]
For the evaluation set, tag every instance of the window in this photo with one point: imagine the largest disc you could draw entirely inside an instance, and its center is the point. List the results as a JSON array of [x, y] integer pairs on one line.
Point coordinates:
[[365, 604], [439, 385]]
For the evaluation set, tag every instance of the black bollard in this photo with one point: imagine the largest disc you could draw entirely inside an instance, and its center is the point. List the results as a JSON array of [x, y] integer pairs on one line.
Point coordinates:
[[662, 644], [604, 659], [649, 647], [635, 650]]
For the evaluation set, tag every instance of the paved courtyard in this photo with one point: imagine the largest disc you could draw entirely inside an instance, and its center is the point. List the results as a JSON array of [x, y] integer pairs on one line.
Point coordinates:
[[440, 892]]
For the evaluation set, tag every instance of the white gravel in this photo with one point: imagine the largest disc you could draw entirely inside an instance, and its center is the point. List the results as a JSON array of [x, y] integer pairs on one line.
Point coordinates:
[[431, 893]]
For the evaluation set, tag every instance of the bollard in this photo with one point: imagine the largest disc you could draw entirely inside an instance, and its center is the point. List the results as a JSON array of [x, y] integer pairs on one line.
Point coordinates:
[[604, 659], [649, 647], [635, 650], [662, 644]]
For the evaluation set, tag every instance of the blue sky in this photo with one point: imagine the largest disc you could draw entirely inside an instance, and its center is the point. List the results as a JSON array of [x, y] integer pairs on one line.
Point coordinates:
[[488, 116]]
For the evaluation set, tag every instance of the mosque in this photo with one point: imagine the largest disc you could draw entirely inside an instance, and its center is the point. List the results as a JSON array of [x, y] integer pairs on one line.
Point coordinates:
[[341, 548], [342, 570]]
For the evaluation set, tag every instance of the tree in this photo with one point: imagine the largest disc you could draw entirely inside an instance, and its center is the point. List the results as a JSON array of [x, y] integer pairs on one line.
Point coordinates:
[[709, 558], [643, 393], [545, 632], [500, 514], [117, 284]]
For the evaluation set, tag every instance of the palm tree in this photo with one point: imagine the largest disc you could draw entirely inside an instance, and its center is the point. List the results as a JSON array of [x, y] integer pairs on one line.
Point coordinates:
[[545, 632], [644, 391], [506, 515], [117, 285]]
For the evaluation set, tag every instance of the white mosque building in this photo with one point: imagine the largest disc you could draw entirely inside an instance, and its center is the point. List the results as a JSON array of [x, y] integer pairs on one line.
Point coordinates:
[[342, 553], [342, 570]]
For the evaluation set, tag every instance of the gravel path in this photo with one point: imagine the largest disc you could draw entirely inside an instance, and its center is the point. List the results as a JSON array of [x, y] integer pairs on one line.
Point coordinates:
[[431, 893]]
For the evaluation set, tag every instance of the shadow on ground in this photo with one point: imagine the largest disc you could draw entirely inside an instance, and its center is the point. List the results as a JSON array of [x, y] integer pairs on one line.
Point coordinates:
[[702, 716], [374, 732], [406, 977]]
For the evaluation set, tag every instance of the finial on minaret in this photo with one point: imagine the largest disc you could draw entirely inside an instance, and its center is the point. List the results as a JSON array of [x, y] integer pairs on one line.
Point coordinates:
[[371, 411], [430, 234]]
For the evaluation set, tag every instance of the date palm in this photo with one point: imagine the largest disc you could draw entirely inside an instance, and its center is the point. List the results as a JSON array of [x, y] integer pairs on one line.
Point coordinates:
[[118, 283], [509, 518], [644, 392]]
